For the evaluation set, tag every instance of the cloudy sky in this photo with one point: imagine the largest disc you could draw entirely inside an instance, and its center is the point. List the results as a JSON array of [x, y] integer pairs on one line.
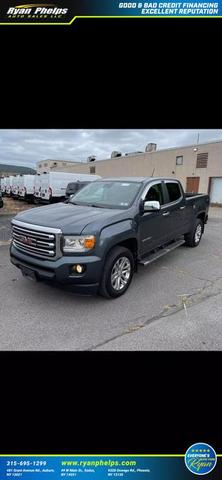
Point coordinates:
[[26, 147]]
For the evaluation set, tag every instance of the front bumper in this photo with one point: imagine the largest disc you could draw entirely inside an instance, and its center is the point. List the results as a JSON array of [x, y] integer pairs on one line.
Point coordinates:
[[59, 270]]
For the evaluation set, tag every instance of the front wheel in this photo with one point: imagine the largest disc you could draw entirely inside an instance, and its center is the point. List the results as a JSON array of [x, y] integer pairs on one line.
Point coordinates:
[[193, 238], [118, 272]]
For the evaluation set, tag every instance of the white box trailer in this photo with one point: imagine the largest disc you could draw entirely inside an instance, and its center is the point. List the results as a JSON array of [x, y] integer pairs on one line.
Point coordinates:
[[8, 188], [37, 187], [26, 187], [19, 184], [3, 184], [54, 184], [15, 186]]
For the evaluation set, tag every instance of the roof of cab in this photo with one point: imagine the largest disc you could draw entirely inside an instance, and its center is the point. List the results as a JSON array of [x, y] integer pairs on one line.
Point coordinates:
[[136, 179], [125, 179]]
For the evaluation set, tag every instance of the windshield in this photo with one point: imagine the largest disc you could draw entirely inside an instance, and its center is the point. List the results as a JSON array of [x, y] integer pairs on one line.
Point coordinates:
[[109, 194]]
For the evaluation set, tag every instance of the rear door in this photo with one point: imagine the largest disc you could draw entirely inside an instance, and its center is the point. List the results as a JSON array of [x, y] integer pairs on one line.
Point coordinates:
[[30, 185], [37, 184], [21, 185], [44, 186], [176, 208]]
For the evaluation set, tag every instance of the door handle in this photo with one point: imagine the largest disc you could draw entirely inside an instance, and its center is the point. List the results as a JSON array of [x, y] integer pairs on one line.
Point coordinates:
[[165, 214], [182, 208]]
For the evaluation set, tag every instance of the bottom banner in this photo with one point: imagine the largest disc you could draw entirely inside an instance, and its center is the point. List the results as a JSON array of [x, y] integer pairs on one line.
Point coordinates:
[[96, 467]]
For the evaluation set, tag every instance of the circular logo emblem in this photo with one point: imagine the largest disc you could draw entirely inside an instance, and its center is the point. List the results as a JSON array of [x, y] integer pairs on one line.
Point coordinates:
[[200, 458]]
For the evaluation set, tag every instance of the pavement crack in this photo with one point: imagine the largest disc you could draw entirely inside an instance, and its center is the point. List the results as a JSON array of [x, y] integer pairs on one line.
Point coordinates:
[[168, 311]]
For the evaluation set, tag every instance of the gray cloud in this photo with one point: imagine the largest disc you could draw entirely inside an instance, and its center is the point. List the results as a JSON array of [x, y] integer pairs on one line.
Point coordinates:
[[26, 147]]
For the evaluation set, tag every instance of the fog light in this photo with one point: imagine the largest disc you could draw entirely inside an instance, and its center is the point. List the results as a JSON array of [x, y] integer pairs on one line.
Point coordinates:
[[78, 268]]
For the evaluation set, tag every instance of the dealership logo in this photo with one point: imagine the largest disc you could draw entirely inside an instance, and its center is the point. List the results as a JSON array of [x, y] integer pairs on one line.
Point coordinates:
[[36, 11], [200, 458]]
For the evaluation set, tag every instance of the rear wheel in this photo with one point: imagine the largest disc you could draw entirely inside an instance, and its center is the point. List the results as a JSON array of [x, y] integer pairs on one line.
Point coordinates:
[[193, 238], [118, 272]]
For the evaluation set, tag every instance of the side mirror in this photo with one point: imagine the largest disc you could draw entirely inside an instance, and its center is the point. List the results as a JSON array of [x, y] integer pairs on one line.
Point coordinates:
[[151, 206]]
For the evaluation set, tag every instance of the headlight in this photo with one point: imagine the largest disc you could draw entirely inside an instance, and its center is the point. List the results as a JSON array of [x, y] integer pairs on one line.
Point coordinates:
[[81, 243]]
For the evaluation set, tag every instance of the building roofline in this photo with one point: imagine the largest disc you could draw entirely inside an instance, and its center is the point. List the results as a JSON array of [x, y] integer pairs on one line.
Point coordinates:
[[159, 150], [130, 156], [187, 146], [55, 160]]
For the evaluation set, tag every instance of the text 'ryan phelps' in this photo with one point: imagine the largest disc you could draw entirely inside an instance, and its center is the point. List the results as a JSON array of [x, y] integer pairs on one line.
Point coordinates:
[[36, 12]]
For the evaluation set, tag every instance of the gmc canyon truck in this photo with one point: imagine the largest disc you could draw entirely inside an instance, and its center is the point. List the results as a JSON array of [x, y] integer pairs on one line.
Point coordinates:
[[96, 240]]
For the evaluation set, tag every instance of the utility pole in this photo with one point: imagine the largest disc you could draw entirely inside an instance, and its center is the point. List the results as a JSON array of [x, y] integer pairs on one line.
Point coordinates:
[[196, 146]]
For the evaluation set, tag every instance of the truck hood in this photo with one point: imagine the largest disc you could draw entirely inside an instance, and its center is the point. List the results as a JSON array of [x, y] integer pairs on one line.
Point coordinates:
[[71, 219]]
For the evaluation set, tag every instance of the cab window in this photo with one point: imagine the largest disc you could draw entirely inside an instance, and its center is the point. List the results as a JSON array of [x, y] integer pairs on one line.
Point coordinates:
[[173, 190], [155, 193]]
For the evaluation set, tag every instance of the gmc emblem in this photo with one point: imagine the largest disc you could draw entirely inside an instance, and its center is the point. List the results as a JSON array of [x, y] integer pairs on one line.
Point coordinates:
[[26, 240]]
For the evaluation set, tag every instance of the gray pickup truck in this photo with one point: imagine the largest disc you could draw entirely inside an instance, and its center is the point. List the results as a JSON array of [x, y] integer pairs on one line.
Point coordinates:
[[96, 240]]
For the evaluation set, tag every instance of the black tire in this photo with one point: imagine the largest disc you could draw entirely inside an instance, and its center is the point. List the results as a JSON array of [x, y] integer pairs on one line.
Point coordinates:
[[106, 287], [191, 239]]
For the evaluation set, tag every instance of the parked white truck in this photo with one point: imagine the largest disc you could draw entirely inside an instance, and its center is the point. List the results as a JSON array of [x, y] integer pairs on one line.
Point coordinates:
[[37, 187], [15, 186], [26, 187], [53, 184], [3, 185], [8, 188]]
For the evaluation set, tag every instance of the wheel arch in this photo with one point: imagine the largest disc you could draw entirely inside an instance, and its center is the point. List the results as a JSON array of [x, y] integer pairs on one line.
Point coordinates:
[[130, 243]]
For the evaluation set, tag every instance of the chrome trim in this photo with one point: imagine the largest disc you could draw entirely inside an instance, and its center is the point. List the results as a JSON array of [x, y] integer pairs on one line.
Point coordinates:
[[31, 248], [30, 234], [168, 180], [46, 240], [36, 227], [147, 187], [198, 233], [156, 182], [155, 256], [179, 199], [120, 274], [36, 242], [147, 238], [171, 203]]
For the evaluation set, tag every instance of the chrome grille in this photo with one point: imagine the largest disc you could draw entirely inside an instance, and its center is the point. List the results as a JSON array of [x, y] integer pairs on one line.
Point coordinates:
[[36, 241]]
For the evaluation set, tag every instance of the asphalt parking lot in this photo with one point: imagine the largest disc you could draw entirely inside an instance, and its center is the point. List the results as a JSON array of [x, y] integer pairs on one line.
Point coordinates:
[[174, 304]]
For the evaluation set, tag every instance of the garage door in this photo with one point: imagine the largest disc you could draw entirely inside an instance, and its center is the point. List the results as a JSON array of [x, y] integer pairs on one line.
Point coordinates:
[[216, 190]]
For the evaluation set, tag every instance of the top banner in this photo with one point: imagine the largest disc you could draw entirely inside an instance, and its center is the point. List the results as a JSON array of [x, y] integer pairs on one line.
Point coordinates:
[[67, 11]]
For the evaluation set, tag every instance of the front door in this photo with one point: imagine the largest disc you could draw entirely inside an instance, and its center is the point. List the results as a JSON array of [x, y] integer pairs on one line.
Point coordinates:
[[153, 226], [192, 184]]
